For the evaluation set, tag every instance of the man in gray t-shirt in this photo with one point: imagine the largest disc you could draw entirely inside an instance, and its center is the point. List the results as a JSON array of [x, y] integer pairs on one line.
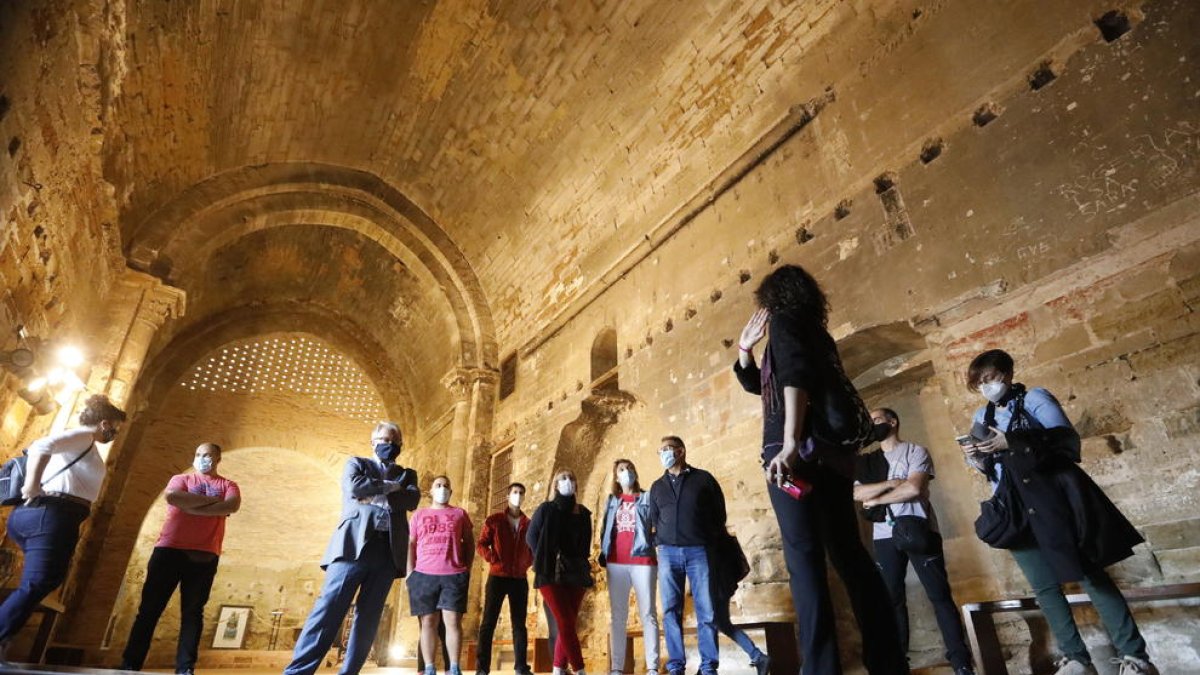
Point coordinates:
[[905, 492]]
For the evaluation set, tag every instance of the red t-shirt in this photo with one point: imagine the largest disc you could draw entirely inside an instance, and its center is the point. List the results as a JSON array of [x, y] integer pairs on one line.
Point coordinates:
[[624, 526], [196, 533], [438, 536]]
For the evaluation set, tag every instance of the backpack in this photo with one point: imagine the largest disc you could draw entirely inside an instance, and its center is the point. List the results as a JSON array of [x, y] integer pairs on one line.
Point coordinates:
[[12, 479], [842, 419], [12, 476]]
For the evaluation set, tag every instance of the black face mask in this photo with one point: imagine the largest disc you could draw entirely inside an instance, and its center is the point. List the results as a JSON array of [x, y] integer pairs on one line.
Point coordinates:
[[108, 435], [387, 451]]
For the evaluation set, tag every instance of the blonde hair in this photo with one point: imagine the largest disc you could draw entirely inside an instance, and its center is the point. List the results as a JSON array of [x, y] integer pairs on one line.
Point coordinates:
[[559, 474]]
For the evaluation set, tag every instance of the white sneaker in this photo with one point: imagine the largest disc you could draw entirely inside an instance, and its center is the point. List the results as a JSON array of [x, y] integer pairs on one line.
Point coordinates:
[[1067, 666], [1132, 665]]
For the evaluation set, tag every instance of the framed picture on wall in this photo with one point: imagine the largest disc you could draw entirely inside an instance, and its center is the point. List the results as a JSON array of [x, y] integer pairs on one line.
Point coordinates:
[[231, 627]]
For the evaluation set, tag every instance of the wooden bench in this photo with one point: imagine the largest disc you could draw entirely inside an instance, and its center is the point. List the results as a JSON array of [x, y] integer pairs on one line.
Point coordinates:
[[781, 645], [981, 628], [542, 654], [51, 607]]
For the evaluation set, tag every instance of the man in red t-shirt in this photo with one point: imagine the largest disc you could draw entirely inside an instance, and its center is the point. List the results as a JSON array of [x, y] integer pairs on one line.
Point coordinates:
[[186, 556]]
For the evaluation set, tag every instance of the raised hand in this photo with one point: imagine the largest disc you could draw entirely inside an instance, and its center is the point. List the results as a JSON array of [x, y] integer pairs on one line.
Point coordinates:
[[755, 330]]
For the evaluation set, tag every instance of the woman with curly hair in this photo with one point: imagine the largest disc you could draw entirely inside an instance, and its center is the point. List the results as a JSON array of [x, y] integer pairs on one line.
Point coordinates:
[[808, 403], [62, 479]]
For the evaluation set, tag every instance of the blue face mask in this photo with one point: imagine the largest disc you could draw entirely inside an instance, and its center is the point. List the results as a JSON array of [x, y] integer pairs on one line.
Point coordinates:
[[387, 451]]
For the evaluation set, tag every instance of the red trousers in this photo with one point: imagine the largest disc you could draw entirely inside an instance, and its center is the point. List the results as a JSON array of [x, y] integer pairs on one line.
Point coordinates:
[[564, 602]]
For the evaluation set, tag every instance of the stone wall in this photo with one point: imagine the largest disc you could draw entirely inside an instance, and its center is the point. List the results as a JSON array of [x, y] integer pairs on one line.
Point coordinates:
[[1063, 230]]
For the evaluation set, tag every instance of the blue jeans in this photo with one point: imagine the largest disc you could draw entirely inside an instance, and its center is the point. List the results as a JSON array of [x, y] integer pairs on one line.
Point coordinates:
[[47, 534], [674, 564], [371, 576], [724, 624]]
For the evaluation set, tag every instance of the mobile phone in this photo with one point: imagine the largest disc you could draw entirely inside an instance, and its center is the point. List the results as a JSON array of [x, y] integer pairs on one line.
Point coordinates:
[[966, 440], [796, 489]]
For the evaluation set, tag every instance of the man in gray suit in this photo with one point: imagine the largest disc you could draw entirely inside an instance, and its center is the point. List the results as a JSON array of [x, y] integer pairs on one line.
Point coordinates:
[[368, 551]]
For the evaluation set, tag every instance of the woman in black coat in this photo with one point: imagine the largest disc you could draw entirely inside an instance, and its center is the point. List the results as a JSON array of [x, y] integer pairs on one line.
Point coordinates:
[[560, 536], [1073, 531], [808, 404]]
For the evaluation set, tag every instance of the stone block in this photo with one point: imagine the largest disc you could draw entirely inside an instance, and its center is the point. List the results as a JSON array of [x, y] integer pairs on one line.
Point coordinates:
[[1173, 535], [1133, 317], [1180, 565], [1072, 339]]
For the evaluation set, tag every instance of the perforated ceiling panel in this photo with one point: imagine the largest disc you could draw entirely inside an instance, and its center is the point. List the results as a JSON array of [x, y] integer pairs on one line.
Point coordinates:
[[289, 364]]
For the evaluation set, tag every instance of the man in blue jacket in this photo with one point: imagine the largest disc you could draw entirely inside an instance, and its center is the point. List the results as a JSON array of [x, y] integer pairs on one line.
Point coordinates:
[[368, 551]]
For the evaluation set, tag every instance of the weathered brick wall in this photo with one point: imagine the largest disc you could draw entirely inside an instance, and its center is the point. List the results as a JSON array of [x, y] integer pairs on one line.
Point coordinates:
[[1062, 230], [959, 175], [59, 249]]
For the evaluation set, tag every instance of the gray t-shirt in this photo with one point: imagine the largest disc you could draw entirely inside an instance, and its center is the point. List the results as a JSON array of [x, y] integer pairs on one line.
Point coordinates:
[[903, 461]]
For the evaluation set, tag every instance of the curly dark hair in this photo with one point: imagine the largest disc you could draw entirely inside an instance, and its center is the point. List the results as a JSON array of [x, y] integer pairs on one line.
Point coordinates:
[[98, 409], [791, 288]]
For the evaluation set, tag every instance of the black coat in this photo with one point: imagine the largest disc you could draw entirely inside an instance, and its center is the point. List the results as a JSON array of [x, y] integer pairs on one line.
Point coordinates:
[[1075, 525]]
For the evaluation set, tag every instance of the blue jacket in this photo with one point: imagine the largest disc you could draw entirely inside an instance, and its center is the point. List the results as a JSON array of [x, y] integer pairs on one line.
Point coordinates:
[[643, 534], [363, 478]]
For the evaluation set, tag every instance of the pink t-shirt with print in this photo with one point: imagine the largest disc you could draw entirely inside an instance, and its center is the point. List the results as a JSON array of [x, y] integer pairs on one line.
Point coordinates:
[[438, 535]]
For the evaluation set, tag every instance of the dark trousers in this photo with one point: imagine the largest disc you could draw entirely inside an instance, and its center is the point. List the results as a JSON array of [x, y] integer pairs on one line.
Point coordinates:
[[825, 522], [931, 570], [517, 592], [170, 568], [47, 534]]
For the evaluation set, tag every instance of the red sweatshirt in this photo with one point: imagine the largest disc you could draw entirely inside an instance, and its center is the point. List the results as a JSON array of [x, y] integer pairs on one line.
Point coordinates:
[[503, 547]]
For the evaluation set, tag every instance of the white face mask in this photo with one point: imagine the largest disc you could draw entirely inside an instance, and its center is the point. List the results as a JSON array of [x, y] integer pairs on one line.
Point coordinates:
[[667, 457], [515, 499], [566, 487], [993, 391], [203, 464], [441, 494], [626, 478]]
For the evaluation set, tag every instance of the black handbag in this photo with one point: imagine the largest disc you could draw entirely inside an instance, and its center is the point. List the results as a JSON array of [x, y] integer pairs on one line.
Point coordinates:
[[727, 564], [912, 534], [572, 571], [1002, 522]]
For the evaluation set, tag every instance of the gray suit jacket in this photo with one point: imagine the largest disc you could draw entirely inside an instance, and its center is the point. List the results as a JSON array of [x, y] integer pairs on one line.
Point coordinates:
[[362, 478]]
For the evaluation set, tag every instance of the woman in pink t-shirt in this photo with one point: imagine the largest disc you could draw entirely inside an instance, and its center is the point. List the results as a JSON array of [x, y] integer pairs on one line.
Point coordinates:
[[627, 553], [440, 550]]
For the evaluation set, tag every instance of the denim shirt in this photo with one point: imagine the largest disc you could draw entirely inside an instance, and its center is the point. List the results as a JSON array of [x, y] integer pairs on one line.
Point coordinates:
[[643, 534], [1042, 409]]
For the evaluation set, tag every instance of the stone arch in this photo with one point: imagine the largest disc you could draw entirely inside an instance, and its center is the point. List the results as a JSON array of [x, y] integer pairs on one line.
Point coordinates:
[[237, 202], [167, 366], [108, 544], [245, 573]]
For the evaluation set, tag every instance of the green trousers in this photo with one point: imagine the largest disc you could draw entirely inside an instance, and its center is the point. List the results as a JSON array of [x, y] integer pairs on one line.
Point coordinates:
[[1106, 598]]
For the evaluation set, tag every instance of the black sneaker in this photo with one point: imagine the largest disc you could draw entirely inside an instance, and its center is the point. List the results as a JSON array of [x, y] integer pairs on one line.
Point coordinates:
[[523, 671], [763, 665]]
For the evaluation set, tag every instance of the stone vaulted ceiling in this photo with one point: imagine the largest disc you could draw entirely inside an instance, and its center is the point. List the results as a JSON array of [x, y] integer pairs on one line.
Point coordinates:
[[552, 133]]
